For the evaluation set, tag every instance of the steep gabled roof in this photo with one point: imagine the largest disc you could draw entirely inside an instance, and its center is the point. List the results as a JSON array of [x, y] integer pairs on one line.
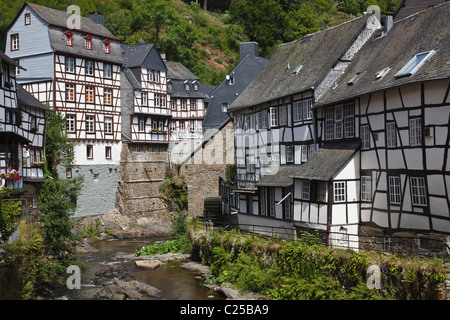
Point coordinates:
[[59, 19], [422, 32], [315, 53]]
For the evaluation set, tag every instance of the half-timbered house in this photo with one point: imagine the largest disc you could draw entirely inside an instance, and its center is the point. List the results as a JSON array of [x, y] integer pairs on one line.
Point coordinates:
[[363, 149], [22, 131], [74, 65], [274, 120], [188, 111], [145, 130]]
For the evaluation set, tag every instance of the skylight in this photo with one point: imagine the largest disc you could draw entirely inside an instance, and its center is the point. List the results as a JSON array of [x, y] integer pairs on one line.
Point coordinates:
[[414, 64], [299, 67]]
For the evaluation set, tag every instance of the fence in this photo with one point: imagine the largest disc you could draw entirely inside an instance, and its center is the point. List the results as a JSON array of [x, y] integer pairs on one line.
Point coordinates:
[[422, 246]]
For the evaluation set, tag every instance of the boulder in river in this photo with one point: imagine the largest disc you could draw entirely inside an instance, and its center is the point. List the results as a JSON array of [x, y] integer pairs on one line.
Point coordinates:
[[128, 290], [148, 264]]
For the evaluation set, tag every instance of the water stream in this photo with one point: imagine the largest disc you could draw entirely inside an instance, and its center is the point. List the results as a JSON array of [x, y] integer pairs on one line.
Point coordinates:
[[175, 283]]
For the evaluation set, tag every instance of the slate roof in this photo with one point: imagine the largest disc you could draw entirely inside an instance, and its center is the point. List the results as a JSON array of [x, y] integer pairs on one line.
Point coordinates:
[[328, 160], [245, 71], [7, 59], [57, 40], [59, 19], [27, 99], [282, 178], [410, 7], [317, 53], [421, 32], [134, 56], [176, 70]]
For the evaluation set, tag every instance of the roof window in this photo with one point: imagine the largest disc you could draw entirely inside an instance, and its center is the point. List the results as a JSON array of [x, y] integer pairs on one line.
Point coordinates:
[[414, 64], [299, 67]]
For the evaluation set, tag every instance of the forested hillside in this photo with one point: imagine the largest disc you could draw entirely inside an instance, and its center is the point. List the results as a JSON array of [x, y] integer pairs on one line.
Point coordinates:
[[207, 42]]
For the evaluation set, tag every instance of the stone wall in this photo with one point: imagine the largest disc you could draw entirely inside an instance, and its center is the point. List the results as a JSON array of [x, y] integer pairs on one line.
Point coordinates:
[[142, 170], [202, 170]]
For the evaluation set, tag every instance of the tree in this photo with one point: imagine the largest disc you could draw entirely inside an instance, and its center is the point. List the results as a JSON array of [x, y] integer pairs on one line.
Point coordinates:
[[9, 211], [263, 21], [58, 149]]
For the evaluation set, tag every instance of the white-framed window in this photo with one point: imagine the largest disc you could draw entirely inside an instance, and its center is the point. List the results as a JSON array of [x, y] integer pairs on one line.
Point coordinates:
[[339, 191], [274, 117], [141, 124], [304, 153], [144, 99], [108, 125], [414, 64], [70, 64], [172, 125], [107, 71], [174, 104], [192, 104], [307, 113], [70, 123], [366, 188], [192, 125], [391, 135], [395, 195], [156, 75], [297, 110], [289, 154], [149, 75], [157, 99], [349, 120], [90, 124], [70, 92], [418, 191], [283, 117], [89, 67], [154, 124], [263, 120], [250, 163], [415, 132], [107, 96], [183, 104], [329, 120], [14, 42], [89, 94], [306, 185], [88, 43], [338, 125], [365, 137], [163, 100]]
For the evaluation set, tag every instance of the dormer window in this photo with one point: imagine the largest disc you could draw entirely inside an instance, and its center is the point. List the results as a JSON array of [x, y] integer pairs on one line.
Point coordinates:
[[69, 39], [414, 64], [88, 43], [106, 46], [186, 86]]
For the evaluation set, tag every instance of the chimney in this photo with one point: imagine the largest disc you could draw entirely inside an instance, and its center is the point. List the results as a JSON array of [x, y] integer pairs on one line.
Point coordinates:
[[388, 24], [97, 17], [251, 48]]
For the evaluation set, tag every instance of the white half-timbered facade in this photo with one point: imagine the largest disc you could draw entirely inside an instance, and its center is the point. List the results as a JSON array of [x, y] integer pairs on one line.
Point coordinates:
[[146, 101], [74, 64], [188, 108], [364, 146]]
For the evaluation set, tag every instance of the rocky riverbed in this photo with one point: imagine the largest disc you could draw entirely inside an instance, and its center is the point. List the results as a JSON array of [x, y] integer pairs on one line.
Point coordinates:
[[120, 280]]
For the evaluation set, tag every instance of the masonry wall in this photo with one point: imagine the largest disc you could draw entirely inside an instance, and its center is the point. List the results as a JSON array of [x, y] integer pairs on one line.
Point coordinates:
[[142, 170], [203, 169]]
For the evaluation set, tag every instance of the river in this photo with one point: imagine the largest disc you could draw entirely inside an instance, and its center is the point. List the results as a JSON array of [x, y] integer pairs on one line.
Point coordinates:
[[175, 283]]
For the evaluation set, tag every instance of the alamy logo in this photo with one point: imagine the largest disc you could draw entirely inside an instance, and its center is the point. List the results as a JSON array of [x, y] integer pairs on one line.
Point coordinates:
[[74, 21], [74, 281]]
